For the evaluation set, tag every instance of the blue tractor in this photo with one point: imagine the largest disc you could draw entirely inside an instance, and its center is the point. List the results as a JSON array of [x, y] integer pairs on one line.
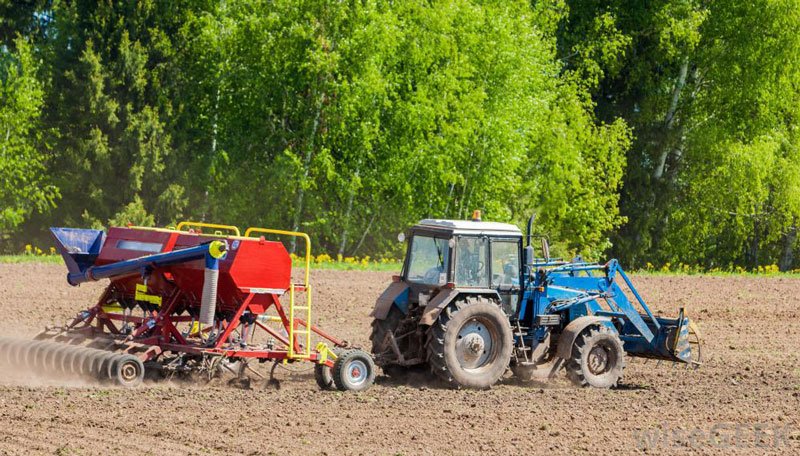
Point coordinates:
[[472, 301]]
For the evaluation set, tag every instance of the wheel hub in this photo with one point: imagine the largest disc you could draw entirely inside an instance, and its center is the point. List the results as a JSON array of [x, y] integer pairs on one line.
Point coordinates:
[[129, 372], [357, 372], [474, 344], [598, 360]]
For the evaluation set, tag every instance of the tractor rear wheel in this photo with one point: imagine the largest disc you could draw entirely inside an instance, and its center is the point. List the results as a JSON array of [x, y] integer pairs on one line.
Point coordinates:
[[597, 360], [470, 344], [381, 347]]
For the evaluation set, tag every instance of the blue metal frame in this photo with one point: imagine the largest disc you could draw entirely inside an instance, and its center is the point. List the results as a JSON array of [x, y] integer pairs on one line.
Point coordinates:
[[578, 288]]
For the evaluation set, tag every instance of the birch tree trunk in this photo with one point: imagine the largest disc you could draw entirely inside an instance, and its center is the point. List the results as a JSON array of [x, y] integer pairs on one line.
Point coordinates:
[[347, 215], [309, 153], [787, 254], [213, 156], [364, 234], [669, 119]]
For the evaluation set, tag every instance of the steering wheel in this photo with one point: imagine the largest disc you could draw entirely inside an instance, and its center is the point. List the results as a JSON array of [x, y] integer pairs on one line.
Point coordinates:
[[432, 275]]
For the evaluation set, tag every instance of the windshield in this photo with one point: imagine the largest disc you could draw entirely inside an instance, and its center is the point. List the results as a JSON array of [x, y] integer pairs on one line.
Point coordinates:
[[428, 259]]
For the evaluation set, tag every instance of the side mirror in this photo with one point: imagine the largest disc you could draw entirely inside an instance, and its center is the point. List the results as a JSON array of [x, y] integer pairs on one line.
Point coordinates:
[[545, 249], [401, 237]]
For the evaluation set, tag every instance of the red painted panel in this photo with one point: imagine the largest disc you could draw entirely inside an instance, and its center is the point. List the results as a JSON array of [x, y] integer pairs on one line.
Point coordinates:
[[249, 263], [261, 264]]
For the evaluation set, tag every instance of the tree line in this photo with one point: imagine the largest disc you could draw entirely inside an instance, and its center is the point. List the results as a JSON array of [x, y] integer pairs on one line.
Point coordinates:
[[660, 132]]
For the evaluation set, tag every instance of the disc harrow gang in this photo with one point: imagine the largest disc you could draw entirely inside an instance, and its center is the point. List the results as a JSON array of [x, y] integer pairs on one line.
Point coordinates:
[[50, 358]]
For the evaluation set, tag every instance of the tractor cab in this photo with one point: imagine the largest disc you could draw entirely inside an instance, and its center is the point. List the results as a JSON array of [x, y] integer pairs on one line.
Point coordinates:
[[474, 257]]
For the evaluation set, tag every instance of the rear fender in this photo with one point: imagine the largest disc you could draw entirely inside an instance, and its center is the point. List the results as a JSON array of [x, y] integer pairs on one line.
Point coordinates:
[[389, 297], [446, 296], [573, 330]]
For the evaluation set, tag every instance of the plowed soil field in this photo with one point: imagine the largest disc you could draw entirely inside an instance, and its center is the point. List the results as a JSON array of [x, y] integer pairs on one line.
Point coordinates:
[[745, 399]]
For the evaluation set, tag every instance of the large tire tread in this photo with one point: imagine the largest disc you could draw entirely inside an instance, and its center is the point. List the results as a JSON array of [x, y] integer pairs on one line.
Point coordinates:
[[576, 368], [437, 340]]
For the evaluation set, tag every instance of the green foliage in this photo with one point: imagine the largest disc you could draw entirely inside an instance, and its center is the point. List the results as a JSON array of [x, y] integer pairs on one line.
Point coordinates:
[[24, 187], [110, 99], [363, 118], [711, 93], [133, 213], [662, 132]]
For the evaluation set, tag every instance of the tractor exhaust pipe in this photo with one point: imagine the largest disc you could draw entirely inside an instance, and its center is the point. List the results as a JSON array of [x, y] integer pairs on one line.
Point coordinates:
[[530, 228], [529, 255]]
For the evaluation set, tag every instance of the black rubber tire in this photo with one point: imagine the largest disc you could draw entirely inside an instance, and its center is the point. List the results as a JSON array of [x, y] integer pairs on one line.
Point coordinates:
[[350, 363], [324, 377], [608, 345], [443, 337], [127, 370]]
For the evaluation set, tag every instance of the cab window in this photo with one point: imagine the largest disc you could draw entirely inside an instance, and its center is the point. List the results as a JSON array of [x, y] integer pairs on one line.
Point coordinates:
[[471, 267], [505, 263]]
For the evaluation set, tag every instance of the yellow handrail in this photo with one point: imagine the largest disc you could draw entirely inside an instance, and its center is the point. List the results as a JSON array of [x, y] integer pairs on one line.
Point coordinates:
[[208, 225], [293, 331], [252, 230]]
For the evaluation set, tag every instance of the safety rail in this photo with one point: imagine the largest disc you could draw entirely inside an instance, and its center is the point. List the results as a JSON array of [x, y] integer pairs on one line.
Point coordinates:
[[305, 351], [294, 332], [187, 224]]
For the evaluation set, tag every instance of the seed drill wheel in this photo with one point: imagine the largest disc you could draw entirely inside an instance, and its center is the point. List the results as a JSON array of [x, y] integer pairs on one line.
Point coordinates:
[[470, 344], [353, 370], [324, 377], [324, 374], [597, 358]]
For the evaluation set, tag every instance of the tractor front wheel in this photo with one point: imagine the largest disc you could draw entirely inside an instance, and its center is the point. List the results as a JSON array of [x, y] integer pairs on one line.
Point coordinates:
[[470, 344], [597, 360]]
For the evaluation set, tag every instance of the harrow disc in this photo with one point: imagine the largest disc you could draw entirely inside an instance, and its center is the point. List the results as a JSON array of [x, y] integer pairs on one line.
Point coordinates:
[[33, 356], [127, 370], [43, 357]]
